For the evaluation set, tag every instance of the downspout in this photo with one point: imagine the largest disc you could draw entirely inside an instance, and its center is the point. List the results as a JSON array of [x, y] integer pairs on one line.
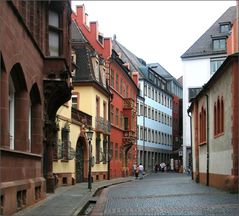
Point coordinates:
[[191, 140], [144, 135], [207, 141], [109, 102]]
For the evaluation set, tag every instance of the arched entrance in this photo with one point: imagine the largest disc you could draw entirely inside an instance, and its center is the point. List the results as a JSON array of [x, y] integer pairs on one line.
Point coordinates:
[[80, 158]]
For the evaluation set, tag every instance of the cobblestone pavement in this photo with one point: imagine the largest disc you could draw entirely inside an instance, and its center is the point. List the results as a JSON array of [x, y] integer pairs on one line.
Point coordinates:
[[165, 194]]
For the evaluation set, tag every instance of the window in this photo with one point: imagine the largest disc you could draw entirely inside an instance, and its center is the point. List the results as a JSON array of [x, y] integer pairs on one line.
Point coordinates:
[[127, 91], [116, 151], [149, 112], [145, 134], [97, 70], [121, 86], [224, 28], [126, 123], [117, 82], [74, 101], [145, 111], [141, 109], [149, 92], [65, 141], [219, 44], [141, 132], [215, 64], [149, 135], [121, 121], [97, 106], [21, 199], [117, 117], [219, 117], [104, 110], [111, 114], [151, 76], [112, 78], [98, 140], [145, 90], [11, 117], [202, 125], [55, 33]]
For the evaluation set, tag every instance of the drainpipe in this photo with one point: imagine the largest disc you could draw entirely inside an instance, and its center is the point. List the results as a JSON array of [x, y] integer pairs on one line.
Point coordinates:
[[109, 103], [207, 140], [144, 135], [191, 140]]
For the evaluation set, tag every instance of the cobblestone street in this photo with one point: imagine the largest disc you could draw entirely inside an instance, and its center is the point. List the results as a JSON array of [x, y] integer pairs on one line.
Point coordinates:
[[165, 194]]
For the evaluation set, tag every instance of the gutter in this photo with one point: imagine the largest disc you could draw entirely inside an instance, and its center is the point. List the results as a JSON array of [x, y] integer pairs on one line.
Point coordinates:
[[207, 182], [191, 140]]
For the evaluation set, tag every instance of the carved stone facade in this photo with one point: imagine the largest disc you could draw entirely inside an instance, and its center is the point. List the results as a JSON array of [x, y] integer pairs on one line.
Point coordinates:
[[34, 84]]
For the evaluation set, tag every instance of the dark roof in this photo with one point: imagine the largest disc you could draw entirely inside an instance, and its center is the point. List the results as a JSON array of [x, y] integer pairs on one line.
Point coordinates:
[[76, 34], [159, 69], [203, 46], [129, 57], [84, 53]]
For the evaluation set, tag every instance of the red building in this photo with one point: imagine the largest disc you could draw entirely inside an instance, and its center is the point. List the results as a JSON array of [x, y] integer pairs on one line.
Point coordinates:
[[123, 86], [34, 83]]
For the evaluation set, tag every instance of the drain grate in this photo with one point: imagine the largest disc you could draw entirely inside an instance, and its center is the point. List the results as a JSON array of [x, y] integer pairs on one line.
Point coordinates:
[[87, 209]]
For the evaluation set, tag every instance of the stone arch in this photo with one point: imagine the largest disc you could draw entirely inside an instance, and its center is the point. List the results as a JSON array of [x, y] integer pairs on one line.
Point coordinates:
[[81, 159], [35, 123], [4, 140], [18, 109]]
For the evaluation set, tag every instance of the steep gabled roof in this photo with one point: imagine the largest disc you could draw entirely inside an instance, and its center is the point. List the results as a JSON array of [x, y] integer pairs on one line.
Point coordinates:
[[129, 57], [84, 53], [203, 46], [76, 34]]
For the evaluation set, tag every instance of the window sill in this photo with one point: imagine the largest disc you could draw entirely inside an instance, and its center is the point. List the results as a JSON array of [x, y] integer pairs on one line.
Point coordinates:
[[202, 143], [11, 151], [65, 160], [218, 135]]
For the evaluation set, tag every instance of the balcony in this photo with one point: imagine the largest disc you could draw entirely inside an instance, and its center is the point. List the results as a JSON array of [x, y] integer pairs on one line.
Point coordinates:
[[129, 103], [102, 125], [81, 117], [129, 138]]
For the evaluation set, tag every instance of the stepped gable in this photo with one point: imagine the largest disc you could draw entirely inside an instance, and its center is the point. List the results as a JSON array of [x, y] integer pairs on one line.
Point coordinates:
[[103, 45]]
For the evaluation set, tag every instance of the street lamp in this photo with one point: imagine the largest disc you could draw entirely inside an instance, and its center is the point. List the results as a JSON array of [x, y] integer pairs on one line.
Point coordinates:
[[89, 137]]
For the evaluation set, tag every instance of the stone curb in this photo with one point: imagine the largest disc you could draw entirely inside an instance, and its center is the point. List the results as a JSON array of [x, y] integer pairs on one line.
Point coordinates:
[[85, 201]]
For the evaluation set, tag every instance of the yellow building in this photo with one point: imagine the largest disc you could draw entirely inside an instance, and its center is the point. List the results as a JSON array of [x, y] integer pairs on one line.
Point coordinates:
[[88, 108], [91, 96], [68, 165]]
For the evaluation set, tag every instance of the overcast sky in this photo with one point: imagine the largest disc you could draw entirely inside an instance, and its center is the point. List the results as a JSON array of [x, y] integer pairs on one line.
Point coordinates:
[[156, 31]]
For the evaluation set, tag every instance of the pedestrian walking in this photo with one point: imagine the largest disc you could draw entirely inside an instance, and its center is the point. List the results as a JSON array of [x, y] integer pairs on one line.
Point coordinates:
[[134, 168], [137, 172], [141, 171]]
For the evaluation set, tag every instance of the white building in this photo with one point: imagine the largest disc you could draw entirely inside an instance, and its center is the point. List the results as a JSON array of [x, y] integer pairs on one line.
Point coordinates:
[[200, 62]]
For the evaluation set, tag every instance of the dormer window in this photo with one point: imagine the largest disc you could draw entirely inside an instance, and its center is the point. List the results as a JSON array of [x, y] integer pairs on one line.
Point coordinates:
[[225, 27], [219, 44]]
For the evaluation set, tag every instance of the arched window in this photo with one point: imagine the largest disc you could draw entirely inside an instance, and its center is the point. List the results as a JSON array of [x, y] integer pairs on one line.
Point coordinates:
[[202, 125], [218, 116], [34, 120], [18, 118], [222, 115], [11, 114], [215, 119]]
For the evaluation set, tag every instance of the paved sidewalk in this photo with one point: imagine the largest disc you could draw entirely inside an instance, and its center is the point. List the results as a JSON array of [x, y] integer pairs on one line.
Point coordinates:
[[68, 200]]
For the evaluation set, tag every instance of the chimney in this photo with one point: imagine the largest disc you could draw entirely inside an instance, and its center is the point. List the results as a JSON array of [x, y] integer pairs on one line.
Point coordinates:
[[136, 77]]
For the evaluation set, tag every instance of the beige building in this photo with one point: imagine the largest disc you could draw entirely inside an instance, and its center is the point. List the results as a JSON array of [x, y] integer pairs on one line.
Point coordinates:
[[215, 128]]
